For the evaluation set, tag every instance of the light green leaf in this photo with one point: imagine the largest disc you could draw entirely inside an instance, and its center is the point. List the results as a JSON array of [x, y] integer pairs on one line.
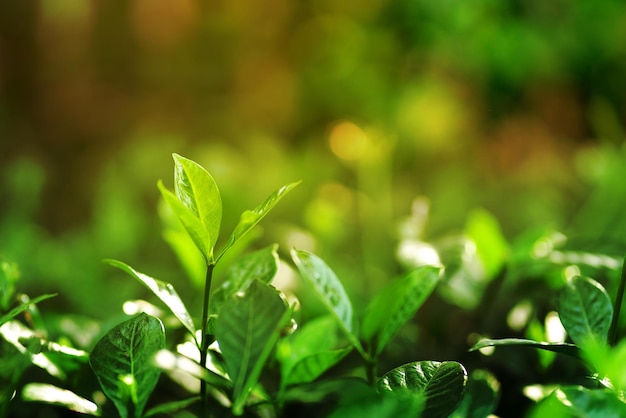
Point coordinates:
[[123, 361], [442, 384], [481, 396], [50, 394], [247, 329], [250, 218], [9, 275], [194, 227], [197, 190], [585, 310], [396, 304], [330, 290], [310, 367], [491, 246], [164, 291], [577, 401], [607, 362], [23, 307], [563, 348]]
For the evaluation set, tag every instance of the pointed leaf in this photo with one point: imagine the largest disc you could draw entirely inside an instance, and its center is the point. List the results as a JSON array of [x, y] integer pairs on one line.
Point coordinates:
[[197, 190], [123, 361], [164, 291], [247, 329], [563, 348], [23, 307], [330, 290], [443, 384], [585, 310], [250, 218], [194, 227], [50, 394], [396, 304]]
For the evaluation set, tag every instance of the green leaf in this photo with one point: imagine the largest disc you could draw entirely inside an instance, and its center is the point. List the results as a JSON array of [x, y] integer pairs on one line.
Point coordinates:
[[247, 329], [260, 265], [123, 361], [563, 348], [396, 304], [442, 384], [310, 367], [330, 290], [491, 246], [250, 218], [197, 190], [607, 362], [23, 307], [50, 394], [170, 407], [585, 310], [9, 275], [194, 227], [577, 401], [481, 396], [164, 291]]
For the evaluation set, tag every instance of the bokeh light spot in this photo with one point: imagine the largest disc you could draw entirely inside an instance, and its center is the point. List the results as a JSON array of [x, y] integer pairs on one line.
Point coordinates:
[[348, 141]]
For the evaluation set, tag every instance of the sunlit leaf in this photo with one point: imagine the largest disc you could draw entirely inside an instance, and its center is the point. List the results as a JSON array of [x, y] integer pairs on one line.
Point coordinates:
[[441, 383], [585, 310], [606, 362], [197, 190], [396, 304], [123, 362], [164, 291], [50, 394], [330, 291], [491, 246], [563, 348], [247, 329], [250, 218], [577, 401], [23, 307], [194, 227]]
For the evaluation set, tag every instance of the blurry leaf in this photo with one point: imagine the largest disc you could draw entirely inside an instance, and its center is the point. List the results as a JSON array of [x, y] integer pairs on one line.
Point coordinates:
[[9, 275], [123, 361], [577, 401], [585, 310], [194, 227], [396, 304], [250, 218], [42, 392], [310, 367], [247, 329], [607, 362], [164, 291], [330, 290], [260, 265], [197, 190], [491, 246], [381, 406], [171, 407], [481, 396], [442, 384], [564, 348], [23, 307]]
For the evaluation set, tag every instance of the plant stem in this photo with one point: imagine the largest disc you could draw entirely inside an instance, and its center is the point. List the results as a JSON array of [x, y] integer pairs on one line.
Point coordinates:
[[205, 341], [618, 306]]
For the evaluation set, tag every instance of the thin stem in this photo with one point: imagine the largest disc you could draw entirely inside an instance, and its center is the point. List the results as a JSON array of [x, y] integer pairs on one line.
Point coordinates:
[[618, 306], [205, 341]]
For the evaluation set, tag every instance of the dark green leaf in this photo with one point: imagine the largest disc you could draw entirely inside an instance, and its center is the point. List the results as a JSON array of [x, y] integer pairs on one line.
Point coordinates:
[[585, 310], [49, 394], [563, 348], [310, 367], [442, 384], [171, 407], [247, 329], [330, 290], [396, 304], [250, 218], [481, 396], [123, 361], [23, 307], [164, 291], [197, 190]]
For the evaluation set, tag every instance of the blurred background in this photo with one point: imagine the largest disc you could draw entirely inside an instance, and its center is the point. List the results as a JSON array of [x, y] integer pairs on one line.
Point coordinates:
[[412, 124]]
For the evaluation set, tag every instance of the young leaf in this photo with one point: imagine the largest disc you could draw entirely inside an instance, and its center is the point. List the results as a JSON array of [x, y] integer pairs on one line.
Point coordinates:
[[396, 304], [563, 348], [50, 394], [194, 227], [23, 307], [247, 329], [330, 290], [442, 384], [250, 218], [164, 291], [123, 361], [197, 190], [585, 310]]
